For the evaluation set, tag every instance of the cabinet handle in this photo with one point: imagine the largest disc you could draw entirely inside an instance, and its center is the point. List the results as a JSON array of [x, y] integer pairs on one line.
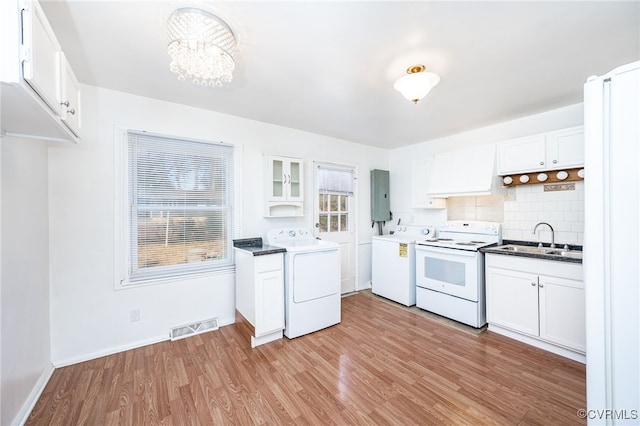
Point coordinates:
[[541, 285], [65, 103], [555, 161], [542, 163], [71, 111], [533, 284]]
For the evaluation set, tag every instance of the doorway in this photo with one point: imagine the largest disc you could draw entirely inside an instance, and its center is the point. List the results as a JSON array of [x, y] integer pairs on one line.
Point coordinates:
[[335, 215]]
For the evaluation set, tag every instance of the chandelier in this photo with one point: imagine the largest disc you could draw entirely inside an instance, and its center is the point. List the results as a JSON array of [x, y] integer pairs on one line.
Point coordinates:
[[416, 84], [201, 46]]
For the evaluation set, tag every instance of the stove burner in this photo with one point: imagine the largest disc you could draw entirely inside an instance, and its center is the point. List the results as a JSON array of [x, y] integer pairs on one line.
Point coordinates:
[[478, 242], [467, 243], [444, 239]]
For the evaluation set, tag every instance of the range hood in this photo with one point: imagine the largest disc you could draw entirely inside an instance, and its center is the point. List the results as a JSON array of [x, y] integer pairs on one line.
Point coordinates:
[[465, 172]]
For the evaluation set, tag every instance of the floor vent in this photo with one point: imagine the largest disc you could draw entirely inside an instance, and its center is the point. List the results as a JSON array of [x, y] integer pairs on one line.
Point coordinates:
[[199, 327]]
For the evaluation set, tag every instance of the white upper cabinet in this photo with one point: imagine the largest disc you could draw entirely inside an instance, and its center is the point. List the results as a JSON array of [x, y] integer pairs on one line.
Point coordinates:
[[41, 55], [565, 148], [69, 96], [36, 79], [284, 186], [549, 151], [420, 174]]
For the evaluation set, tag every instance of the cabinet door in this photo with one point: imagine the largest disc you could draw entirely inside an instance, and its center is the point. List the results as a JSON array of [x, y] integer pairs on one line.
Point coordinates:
[[276, 179], [41, 67], [522, 155], [562, 312], [512, 300], [294, 178], [69, 97], [420, 172], [269, 302], [565, 148]]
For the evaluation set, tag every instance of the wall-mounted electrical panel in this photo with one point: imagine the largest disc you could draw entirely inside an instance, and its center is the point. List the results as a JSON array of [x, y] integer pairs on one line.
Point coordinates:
[[380, 206]]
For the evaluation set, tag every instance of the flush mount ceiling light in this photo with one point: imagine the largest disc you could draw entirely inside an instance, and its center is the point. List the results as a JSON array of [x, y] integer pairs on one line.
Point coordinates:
[[201, 47], [416, 84]]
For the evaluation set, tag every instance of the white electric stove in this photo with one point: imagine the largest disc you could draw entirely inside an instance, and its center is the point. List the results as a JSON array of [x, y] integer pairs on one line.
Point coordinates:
[[450, 270]]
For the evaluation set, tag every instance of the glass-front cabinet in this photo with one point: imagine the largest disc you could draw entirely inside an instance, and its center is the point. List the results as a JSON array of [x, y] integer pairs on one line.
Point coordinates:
[[284, 186]]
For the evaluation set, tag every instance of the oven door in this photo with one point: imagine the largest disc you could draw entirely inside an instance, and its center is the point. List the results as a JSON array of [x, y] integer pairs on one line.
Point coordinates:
[[449, 271]]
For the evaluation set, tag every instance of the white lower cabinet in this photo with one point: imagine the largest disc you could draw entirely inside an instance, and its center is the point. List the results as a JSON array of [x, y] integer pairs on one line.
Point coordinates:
[[260, 294], [537, 301]]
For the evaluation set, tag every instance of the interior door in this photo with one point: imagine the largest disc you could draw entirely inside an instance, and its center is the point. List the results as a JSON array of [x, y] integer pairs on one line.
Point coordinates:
[[335, 215]]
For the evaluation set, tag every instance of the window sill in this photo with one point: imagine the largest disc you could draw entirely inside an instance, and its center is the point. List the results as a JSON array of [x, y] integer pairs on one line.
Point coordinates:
[[127, 284]]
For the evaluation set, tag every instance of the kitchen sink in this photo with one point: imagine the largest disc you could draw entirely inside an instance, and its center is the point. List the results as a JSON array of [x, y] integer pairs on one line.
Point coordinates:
[[541, 250]]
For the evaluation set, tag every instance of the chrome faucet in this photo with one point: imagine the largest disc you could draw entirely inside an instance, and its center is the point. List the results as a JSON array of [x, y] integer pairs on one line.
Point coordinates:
[[553, 244]]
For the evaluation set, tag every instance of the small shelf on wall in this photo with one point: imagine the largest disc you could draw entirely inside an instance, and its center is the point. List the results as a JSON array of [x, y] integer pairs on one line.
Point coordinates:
[[550, 176]]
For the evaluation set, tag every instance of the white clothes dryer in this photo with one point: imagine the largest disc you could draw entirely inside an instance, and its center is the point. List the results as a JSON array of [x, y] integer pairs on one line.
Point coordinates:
[[311, 280]]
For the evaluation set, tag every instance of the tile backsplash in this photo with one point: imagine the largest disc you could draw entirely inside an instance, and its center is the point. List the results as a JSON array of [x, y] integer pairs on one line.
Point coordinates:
[[488, 208], [561, 205], [526, 205]]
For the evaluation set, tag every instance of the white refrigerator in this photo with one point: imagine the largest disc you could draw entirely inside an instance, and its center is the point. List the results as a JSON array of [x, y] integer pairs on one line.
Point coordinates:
[[611, 256]]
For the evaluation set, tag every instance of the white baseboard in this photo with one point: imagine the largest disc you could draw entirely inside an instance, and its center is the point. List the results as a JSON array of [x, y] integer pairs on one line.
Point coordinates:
[[33, 397], [558, 350], [114, 350]]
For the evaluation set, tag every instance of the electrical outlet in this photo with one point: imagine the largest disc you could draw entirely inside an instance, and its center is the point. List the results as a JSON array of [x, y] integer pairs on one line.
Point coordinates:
[[134, 315]]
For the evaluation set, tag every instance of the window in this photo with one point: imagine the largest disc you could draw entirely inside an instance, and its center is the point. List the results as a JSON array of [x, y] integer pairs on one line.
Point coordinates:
[[180, 206], [335, 187]]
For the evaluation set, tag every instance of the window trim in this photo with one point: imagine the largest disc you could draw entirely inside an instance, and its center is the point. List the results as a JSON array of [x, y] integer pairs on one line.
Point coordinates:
[[122, 247]]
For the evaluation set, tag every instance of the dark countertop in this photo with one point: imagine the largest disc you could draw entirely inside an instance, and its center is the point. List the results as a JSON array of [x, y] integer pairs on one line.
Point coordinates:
[[255, 246], [492, 249]]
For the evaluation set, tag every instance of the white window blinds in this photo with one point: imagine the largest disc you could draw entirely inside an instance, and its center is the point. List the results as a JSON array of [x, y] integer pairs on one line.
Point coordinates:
[[334, 180], [180, 195]]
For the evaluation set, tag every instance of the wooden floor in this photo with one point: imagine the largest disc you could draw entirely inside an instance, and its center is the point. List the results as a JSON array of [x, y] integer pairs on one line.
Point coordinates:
[[382, 365]]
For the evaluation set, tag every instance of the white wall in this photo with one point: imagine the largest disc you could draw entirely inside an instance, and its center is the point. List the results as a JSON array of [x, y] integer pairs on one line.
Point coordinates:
[[400, 159], [25, 348], [89, 318]]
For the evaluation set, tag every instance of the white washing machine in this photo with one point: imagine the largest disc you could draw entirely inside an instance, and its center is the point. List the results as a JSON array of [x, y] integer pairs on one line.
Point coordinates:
[[393, 262], [311, 280]]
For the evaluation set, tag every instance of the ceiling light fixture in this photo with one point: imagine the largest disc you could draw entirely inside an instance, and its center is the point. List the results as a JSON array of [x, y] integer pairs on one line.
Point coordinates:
[[416, 84], [201, 47]]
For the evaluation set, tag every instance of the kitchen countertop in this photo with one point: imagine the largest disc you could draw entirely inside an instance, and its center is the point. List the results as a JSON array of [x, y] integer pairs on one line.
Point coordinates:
[[255, 246], [495, 250]]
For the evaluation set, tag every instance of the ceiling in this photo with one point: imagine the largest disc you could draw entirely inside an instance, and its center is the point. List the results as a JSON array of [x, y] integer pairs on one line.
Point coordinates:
[[328, 67]]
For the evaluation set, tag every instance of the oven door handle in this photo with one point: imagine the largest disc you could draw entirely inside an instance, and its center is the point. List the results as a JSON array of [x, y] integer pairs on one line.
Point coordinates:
[[449, 251]]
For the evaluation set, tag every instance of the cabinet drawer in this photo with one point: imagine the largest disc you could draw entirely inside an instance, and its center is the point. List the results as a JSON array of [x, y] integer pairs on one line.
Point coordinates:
[[269, 262]]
